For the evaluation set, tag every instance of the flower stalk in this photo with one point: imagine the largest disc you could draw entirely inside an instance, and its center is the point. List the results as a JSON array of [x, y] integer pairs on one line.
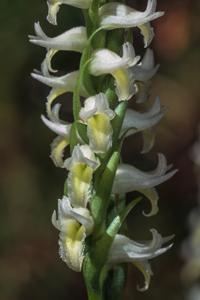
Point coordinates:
[[93, 210]]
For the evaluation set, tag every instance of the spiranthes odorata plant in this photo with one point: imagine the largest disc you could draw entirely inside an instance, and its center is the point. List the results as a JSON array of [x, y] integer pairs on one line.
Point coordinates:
[[93, 208]]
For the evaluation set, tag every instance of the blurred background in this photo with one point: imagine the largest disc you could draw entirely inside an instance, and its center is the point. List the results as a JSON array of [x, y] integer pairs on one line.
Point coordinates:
[[30, 185]]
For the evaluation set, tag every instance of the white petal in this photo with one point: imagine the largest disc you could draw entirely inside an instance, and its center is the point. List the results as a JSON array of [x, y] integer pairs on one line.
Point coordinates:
[[74, 39], [124, 249], [128, 178], [116, 15], [81, 215], [67, 81], [60, 129], [146, 69], [105, 61], [82, 154], [141, 121], [95, 105]]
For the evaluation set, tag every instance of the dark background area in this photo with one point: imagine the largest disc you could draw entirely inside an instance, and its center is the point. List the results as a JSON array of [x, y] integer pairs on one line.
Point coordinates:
[[30, 185]]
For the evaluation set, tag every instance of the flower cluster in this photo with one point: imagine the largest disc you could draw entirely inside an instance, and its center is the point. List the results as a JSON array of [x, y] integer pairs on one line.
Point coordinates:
[[89, 215]]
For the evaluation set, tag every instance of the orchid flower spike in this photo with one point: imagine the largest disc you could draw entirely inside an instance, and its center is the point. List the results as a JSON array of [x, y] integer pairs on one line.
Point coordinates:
[[117, 15], [54, 6], [62, 130], [125, 250], [97, 115], [74, 225], [105, 61], [128, 179], [74, 39], [81, 166]]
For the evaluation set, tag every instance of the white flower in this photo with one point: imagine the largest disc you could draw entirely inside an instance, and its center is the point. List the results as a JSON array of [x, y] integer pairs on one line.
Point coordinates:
[[143, 122], [146, 69], [124, 250], [97, 115], [105, 61], [143, 72], [135, 121], [62, 130], [74, 39], [116, 15], [54, 6], [74, 224], [81, 166], [59, 85], [128, 178]]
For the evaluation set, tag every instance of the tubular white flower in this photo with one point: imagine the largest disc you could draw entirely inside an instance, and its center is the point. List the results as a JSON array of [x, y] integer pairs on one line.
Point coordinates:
[[74, 224], [124, 249], [135, 121], [146, 69], [63, 130], [54, 6], [105, 61], [74, 39], [81, 166], [59, 85], [128, 179], [116, 15], [143, 73], [97, 115]]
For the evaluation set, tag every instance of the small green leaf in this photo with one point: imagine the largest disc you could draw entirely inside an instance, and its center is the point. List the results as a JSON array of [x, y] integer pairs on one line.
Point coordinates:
[[117, 222], [65, 188], [73, 137], [82, 130], [118, 120]]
